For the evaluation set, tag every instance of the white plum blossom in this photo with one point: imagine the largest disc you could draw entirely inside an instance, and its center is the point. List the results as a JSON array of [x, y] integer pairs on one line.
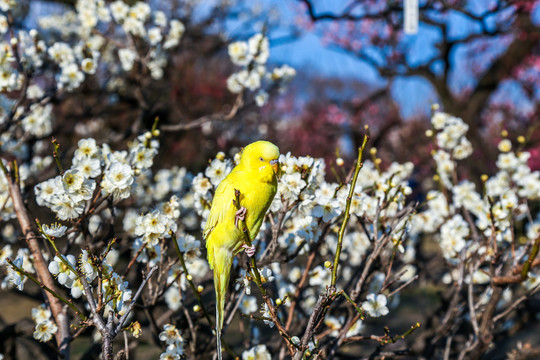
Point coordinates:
[[248, 304], [116, 294], [252, 57], [154, 226], [62, 267], [217, 170], [86, 148], [5, 253], [41, 313], [154, 36], [375, 305], [119, 10], [319, 276], [71, 77], [504, 145], [327, 208], [174, 341], [265, 313], [118, 180], [453, 236], [45, 331], [173, 298], [189, 246], [176, 31], [38, 121], [261, 98], [15, 277], [45, 327], [239, 54], [127, 58], [54, 230], [259, 352]]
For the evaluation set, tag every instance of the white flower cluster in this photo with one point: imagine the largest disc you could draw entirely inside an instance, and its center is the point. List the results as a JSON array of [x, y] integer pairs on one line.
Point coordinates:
[[252, 57], [138, 20], [116, 294], [319, 202], [174, 341], [452, 143], [77, 57], [10, 79], [68, 194], [62, 267], [503, 200], [190, 248], [45, 327], [115, 291], [38, 121], [203, 185], [151, 228], [154, 226]]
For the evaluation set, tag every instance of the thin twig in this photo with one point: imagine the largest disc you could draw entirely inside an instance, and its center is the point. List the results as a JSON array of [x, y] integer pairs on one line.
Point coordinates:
[[134, 299], [359, 165]]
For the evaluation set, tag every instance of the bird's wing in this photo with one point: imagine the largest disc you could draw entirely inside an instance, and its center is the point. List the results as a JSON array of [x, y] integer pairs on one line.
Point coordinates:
[[221, 205]]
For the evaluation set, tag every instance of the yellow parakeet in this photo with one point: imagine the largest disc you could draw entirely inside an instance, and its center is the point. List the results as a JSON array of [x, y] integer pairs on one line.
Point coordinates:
[[255, 178]]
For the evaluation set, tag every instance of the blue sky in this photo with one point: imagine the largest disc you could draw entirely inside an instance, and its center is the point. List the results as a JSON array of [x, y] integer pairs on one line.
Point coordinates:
[[413, 95]]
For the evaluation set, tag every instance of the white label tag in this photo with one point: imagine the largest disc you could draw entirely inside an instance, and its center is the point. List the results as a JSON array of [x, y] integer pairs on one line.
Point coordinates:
[[410, 16]]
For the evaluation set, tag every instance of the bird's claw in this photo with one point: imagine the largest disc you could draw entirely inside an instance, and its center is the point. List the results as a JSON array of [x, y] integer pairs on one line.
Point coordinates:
[[240, 215], [250, 250]]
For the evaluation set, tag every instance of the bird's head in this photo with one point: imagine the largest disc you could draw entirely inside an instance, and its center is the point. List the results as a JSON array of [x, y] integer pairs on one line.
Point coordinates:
[[262, 156]]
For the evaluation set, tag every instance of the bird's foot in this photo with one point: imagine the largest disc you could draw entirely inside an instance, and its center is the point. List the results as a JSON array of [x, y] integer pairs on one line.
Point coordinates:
[[250, 250], [240, 215]]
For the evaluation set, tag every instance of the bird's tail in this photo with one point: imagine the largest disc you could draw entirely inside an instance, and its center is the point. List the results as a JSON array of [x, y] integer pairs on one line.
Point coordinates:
[[222, 269]]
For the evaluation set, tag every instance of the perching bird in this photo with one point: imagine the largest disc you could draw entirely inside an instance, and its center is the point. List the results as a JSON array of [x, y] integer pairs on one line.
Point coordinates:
[[255, 177]]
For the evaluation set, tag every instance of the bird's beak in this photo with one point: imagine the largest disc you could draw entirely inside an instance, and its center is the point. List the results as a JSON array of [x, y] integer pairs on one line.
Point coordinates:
[[275, 165]]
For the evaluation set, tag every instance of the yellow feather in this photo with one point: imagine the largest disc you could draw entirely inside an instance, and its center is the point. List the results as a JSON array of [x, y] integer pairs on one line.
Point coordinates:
[[255, 178]]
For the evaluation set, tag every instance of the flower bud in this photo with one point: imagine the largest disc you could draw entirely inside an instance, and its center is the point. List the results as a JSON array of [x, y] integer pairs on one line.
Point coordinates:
[[200, 288], [189, 277], [327, 264], [156, 132], [339, 161], [196, 308], [505, 145]]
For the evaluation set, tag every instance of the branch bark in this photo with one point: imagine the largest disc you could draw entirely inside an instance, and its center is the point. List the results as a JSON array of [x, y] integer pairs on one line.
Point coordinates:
[[61, 319]]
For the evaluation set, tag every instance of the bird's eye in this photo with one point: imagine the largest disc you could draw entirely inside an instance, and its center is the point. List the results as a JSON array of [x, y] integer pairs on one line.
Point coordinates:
[[261, 158]]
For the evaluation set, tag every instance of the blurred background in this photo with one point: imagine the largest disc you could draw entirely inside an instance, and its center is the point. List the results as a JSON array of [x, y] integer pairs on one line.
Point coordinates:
[[354, 65]]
